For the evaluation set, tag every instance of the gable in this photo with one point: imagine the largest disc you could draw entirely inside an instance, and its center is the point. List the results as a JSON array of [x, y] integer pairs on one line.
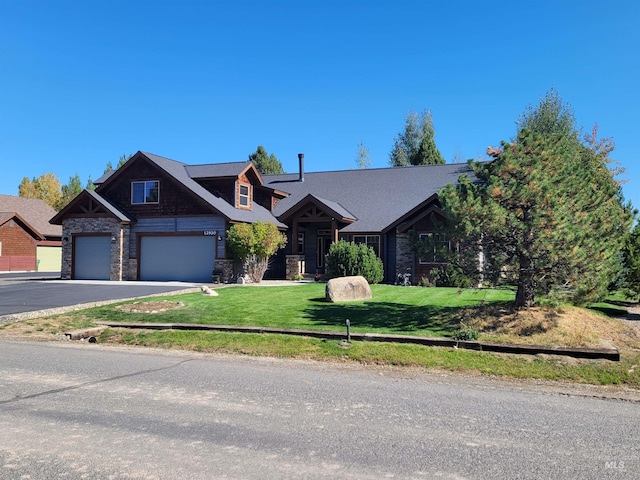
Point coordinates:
[[34, 212], [174, 198], [89, 204]]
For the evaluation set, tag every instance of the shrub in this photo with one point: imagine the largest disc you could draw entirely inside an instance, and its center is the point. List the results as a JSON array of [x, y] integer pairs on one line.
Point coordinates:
[[254, 244], [465, 332], [348, 258]]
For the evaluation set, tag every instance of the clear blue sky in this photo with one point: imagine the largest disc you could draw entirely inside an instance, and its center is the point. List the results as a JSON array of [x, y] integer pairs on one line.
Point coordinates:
[[84, 82]]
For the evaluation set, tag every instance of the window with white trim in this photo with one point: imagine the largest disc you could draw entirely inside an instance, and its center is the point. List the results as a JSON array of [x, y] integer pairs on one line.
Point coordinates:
[[243, 196], [437, 246], [372, 241], [145, 192]]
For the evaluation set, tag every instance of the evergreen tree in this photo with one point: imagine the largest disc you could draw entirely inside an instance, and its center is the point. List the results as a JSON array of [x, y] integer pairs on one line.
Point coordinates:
[[362, 158], [70, 190], [265, 163], [546, 210], [416, 145]]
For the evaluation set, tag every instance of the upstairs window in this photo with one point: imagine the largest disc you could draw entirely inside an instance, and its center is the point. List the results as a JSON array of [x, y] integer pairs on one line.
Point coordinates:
[[145, 192], [243, 196]]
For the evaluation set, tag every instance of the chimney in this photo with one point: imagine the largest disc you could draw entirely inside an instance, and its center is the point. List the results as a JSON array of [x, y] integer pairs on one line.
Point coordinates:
[[301, 162]]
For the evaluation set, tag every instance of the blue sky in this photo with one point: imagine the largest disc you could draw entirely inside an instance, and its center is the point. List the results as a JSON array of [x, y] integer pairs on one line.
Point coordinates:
[[84, 82]]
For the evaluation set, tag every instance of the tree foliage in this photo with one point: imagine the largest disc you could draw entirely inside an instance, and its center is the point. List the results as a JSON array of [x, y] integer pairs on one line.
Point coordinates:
[[362, 157], [416, 144], [254, 244], [348, 258], [546, 210], [631, 262], [121, 161], [265, 163], [46, 187], [71, 190]]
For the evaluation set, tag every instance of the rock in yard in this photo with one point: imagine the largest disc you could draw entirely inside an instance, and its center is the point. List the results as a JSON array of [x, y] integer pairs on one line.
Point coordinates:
[[344, 289], [207, 291]]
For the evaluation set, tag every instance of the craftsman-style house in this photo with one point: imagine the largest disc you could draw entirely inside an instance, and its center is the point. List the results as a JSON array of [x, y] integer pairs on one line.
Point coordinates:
[[28, 242], [159, 219]]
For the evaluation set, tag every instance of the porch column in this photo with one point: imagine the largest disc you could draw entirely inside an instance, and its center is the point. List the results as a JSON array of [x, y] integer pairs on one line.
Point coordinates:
[[334, 230], [294, 237]]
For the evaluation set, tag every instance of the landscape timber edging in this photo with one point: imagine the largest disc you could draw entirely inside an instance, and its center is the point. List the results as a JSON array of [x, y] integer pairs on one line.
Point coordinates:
[[578, 352]]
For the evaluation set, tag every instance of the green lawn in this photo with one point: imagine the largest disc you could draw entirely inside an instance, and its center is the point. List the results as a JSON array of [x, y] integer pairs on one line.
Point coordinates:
[[415, 311], [397, 310]]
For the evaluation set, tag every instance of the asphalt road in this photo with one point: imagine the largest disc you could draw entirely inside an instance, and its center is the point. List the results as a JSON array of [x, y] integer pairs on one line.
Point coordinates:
[[32, 292], [93, 412]]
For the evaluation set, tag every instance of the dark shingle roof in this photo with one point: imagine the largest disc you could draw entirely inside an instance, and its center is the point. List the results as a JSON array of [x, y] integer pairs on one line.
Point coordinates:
[[215, 170], [34, 211], [376, 197], [180, 171]]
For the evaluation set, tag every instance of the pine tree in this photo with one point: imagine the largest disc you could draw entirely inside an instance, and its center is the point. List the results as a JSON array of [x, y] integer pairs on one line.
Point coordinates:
[[265, 163], [546, 210], [416, 144]]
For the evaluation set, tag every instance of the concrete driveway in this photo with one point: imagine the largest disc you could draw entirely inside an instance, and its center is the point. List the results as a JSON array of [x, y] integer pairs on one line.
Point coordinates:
[[27, 295]]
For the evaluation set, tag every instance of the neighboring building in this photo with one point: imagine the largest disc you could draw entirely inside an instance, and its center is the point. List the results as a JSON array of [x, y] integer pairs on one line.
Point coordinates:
[[28, 242], [159, 219]]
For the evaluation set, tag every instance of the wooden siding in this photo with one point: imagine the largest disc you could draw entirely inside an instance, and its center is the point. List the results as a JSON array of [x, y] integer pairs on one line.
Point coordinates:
[[178, 225], [174, 199], [223, 188], [9, 263], [16, 241]]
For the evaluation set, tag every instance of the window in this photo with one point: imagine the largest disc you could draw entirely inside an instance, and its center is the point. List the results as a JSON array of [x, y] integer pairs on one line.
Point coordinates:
[[372, 241], [435, 248], [300, 243], [145, 192], [244, 195]]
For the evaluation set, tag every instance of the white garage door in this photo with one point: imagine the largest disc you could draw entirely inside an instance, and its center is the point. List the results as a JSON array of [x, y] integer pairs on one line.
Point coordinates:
[[92, 258], [181, 258]]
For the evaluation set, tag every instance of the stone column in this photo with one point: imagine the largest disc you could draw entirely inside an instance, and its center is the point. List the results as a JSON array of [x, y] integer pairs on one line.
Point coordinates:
[[294, 266]]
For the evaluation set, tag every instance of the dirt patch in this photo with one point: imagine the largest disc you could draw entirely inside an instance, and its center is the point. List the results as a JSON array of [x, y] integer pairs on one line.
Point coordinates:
[[149, 307]]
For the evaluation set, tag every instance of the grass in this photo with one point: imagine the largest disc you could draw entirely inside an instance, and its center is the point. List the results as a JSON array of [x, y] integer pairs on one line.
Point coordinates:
[[415, 311], [397, 310]]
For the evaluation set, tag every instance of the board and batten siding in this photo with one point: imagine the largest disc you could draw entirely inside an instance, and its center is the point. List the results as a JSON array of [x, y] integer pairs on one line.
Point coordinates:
[[177, 225]]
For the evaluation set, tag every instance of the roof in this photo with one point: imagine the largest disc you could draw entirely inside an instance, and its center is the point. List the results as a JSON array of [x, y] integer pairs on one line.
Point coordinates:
[[32, 210], [216, 170], [377, 198], [181, 172]]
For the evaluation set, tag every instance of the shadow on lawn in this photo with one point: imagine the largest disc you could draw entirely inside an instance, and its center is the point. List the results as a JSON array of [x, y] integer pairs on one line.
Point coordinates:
[[392, 317]]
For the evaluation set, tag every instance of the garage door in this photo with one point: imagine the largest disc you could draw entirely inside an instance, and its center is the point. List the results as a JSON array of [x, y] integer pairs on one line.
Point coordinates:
[[181, 258], [92, 258]]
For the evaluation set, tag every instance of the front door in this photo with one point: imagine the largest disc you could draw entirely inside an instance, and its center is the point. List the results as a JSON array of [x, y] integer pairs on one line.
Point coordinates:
[[324, 242]]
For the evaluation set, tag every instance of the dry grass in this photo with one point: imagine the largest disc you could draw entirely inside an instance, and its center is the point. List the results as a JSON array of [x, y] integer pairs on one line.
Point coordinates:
[[569, 326]]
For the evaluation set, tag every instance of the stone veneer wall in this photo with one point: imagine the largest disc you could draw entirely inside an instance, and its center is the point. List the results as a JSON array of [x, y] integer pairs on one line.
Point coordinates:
[[226, 267], [404, 256], [120, 268]]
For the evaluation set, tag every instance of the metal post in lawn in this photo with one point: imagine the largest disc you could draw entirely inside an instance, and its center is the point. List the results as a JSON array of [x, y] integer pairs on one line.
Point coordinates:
[[348, 331]]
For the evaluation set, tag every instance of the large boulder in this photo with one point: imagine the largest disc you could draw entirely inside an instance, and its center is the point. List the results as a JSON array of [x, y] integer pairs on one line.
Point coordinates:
[[344, 289]]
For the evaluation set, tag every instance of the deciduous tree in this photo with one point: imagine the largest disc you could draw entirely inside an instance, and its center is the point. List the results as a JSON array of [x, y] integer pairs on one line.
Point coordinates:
[[254, 244], [46, 187]]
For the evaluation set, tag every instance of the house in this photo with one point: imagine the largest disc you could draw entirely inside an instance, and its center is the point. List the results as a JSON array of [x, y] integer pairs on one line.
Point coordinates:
[[159, 219], [28, 241]]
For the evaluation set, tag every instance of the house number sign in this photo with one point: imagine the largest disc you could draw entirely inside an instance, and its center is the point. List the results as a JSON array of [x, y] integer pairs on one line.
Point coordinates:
[[210, 233]]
